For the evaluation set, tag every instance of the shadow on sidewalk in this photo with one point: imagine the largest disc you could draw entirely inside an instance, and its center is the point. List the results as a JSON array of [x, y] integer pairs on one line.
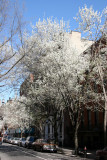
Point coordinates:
[[71, 152]]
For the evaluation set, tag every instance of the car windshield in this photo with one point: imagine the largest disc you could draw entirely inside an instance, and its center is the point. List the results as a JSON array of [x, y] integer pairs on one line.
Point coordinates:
[[16, 138], [44, 141], [31, 139]]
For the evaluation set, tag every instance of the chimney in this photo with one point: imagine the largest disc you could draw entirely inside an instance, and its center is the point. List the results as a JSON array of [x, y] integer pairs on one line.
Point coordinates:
[[75, 35], [31, 77]]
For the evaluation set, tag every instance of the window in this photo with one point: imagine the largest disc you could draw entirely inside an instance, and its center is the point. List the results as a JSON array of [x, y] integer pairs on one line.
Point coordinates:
[[48, 128]]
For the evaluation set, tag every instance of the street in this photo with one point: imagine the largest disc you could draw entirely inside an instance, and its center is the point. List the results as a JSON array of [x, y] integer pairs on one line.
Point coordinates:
[[12, 152]]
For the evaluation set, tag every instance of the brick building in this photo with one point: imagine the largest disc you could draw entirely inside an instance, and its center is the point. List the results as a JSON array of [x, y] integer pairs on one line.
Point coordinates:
[[91, 130]]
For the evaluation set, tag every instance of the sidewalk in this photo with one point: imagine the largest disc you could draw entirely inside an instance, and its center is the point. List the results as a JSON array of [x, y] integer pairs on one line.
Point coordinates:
[[70, 152]]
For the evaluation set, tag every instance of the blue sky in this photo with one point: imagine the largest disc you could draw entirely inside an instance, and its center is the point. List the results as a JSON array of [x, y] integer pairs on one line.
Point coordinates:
[[35, 9]]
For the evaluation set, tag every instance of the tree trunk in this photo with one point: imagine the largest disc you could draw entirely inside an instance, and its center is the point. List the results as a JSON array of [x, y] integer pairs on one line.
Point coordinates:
[[105, 97], [76, 138], [21, 134], [105, 124]]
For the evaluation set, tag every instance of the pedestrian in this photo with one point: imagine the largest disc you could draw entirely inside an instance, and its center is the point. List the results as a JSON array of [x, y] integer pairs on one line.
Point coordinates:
[[85, 152]]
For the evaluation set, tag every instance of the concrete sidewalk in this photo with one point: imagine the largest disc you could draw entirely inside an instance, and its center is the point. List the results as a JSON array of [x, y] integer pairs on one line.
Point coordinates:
[[70, 152]]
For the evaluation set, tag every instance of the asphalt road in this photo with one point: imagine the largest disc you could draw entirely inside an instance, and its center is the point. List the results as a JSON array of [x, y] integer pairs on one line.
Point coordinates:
[[12, 152]]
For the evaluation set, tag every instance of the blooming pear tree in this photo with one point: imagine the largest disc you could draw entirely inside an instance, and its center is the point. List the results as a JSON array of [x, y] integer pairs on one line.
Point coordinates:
[[16, 115], [94, 25], [58, 69]]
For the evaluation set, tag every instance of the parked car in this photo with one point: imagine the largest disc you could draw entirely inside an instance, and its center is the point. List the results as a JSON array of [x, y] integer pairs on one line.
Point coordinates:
[[4, 138], [22, 141], [101, 154], [11, 140], [15, 140], [8, 138], [29, 141], [44, 145], [0, 140]]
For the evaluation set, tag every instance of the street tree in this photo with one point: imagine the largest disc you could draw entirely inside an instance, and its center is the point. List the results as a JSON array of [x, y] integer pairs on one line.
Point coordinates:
[[58, 68], [11, 27], [15, 114], [36, 111], [93, 25], [45, 107]]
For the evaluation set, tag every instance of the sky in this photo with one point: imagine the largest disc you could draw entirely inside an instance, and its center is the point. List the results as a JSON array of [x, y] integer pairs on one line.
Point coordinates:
[[66, 9]]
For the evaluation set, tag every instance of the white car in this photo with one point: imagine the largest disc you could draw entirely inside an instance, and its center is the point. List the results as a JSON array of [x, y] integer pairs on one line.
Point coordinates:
[[15, 140]]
